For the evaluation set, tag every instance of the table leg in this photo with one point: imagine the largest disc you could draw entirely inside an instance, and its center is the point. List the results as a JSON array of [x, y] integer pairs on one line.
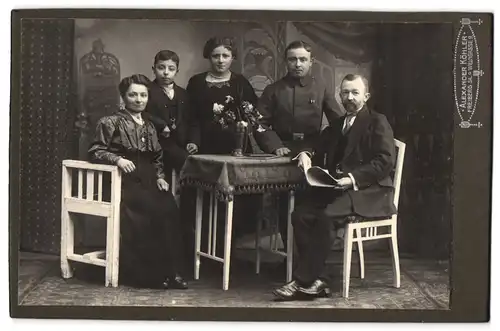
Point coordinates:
[[214, 238], [257, 246], [197, 248], [227, 244], [289, 248], [210, 220]]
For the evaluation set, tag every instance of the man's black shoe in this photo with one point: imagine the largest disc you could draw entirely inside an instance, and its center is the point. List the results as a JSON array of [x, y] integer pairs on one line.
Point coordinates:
[[318, 288], [290, 291]]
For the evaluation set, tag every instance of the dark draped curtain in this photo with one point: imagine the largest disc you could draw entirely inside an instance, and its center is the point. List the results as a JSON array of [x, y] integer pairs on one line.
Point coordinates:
[[354, 42], [412, 85], [47, 115]]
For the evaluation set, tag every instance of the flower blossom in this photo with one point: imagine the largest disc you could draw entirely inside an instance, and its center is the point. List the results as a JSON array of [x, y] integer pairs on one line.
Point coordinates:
[[218, 108], [242, 124]]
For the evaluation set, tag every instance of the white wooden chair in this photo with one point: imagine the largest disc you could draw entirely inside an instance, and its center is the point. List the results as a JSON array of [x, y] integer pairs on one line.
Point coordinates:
[[371, 231], [88, 202]]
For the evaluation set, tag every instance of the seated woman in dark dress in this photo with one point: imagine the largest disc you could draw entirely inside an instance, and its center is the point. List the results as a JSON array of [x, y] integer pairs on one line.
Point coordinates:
[[150, 244], [207, 89]]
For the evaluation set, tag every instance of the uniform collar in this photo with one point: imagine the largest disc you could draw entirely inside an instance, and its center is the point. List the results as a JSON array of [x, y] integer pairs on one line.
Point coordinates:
[[303, 81]]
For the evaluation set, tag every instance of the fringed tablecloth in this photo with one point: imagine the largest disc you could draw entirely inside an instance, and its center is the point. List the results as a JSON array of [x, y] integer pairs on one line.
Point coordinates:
[[228, 176]]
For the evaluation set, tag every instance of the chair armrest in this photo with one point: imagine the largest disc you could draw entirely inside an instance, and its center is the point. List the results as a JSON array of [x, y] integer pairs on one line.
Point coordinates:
[[77, 164]]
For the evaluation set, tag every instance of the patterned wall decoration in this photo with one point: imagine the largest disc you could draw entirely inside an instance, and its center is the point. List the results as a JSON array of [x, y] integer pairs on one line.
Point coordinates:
[[47, 122], [99, 76], [259, 56], [281, 28]]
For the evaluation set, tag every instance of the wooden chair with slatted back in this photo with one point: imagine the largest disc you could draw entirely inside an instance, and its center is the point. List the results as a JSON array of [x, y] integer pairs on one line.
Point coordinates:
[[369, 230], [92, 198]]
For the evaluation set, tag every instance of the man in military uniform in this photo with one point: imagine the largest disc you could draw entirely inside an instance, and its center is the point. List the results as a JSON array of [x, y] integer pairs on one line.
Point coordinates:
[[292, 110]]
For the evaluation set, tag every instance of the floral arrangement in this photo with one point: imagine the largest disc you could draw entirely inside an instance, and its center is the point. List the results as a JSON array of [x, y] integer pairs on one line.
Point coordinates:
[[242, 119], [231, 114]]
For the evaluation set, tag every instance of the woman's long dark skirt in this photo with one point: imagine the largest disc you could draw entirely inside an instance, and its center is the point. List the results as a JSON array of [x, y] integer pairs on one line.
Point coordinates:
[[151, 239]]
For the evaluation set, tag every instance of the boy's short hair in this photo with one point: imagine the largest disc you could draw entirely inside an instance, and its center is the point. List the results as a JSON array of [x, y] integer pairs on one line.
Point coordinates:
[[166, 55]]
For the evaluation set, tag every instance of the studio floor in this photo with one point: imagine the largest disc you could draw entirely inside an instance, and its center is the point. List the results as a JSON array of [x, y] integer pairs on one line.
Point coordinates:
[[424, 285]]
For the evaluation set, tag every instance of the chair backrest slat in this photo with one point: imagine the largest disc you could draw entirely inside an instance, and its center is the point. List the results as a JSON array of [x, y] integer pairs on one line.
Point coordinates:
[[90, 185], [85, 184], [398, 172], [80, 184], [99, 186]]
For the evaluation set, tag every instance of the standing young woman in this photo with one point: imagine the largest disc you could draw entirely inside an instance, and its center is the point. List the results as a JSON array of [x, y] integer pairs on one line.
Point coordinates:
[[213, 87]]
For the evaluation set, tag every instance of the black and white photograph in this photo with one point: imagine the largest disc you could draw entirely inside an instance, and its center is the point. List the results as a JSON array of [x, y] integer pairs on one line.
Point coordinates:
[[248, 160]]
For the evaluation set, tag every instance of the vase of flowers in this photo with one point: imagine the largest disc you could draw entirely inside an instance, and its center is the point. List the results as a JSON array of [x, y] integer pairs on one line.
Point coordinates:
[[240, 135], [242, 119]]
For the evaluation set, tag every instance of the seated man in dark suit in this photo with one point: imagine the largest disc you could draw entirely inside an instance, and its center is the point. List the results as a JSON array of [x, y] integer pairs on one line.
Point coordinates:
[[358, 149]]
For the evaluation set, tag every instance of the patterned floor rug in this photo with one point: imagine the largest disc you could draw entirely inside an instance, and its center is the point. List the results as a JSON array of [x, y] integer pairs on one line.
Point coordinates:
[[424, 285]]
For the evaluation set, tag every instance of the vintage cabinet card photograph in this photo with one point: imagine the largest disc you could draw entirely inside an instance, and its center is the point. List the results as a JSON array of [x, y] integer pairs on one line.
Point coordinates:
[[250, 165]]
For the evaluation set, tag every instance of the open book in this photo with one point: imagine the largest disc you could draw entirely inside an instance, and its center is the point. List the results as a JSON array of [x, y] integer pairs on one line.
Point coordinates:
[[319, 177]]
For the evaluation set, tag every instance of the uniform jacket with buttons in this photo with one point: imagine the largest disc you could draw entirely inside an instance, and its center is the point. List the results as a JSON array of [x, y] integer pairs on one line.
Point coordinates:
[[292, 105]]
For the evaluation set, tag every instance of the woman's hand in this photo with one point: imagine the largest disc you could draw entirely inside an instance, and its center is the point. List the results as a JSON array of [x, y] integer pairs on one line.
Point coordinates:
[[191, 148], [126, 165], [162, 184]]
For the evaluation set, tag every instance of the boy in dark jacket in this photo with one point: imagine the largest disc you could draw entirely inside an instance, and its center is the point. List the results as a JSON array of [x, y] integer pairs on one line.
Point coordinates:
[[168, 108]]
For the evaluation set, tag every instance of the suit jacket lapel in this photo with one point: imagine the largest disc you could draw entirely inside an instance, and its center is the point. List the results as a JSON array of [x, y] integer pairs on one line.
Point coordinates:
[[334, 138], [180, 105], [358, 128], [157, 95]]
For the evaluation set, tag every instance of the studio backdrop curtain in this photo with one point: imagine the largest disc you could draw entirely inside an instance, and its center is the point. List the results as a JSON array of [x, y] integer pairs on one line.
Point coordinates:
[[351, 41], [47, 117], [412, 85]]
